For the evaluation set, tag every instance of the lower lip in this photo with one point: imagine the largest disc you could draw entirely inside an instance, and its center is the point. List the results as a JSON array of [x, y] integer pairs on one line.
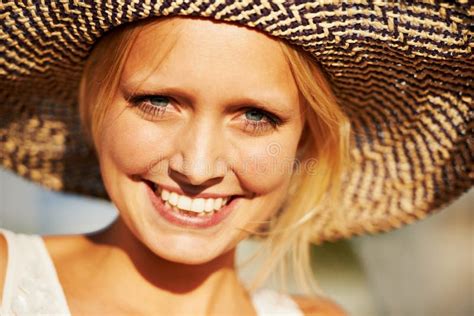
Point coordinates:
[[189, 221]]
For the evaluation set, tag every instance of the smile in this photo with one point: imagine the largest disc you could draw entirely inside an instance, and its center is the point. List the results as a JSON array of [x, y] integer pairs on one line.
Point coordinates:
[[201, 206], [203, 210]]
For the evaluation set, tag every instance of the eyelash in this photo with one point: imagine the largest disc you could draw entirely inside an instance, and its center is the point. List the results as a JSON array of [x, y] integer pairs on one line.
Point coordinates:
[[142, 103], [150, 111]]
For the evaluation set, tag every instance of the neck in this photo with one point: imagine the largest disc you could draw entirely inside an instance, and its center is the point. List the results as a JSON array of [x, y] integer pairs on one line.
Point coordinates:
[[128, 261]]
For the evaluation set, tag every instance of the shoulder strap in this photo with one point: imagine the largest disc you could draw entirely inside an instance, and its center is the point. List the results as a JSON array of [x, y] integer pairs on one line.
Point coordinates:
[[31, 283], [268, 302], [10, 272]]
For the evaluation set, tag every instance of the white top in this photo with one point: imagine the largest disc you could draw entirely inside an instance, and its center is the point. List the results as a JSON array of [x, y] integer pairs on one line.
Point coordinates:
[[32, 286]]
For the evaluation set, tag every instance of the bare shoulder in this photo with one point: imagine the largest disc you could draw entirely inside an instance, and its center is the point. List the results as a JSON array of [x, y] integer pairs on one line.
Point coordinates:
[[3, 263], [319, 306], [66, 248], [63, 245]]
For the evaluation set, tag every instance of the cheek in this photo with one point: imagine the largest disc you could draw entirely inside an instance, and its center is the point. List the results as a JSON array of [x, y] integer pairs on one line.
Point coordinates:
[[133, 145], [266, 166]]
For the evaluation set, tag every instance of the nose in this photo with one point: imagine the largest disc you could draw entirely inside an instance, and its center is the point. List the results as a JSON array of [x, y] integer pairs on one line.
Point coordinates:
[[199, 159]]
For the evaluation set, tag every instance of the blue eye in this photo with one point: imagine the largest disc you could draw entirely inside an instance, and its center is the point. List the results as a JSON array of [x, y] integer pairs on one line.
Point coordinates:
[[155, 107], [258, 121], [254, 115], [158, 100]]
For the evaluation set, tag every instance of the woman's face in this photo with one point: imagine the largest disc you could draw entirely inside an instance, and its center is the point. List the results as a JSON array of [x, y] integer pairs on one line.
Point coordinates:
[[203, 110]]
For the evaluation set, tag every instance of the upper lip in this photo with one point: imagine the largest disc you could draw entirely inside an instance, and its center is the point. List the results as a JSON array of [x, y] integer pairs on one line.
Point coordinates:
[[200, 195]]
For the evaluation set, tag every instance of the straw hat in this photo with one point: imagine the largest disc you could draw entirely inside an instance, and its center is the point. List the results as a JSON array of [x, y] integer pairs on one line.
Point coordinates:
[[402, 71]]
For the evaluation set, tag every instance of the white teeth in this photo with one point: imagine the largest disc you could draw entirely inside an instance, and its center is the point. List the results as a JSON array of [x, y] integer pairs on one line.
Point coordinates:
[[198, 205], [209, 205], [173, 198], [217, 203], [165, 195], [184, 203]]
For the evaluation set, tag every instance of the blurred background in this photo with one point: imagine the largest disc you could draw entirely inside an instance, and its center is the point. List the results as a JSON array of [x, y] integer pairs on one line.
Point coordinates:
[[422, 269]]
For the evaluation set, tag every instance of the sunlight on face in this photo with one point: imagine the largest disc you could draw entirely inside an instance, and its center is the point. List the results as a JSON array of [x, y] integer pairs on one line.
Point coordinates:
[[204, 107]]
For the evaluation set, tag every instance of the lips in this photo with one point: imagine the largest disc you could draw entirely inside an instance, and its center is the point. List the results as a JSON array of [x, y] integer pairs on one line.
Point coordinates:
[[186, 211]]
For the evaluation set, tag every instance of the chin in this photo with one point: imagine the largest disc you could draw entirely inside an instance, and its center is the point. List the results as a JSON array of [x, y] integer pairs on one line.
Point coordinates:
[[189, 250], [189, 258]]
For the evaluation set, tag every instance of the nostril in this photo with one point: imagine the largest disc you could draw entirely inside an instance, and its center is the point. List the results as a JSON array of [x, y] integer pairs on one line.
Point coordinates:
[[193, 179]]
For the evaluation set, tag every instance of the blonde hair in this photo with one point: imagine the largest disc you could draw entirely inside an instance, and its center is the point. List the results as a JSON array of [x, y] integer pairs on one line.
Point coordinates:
[[314, 194], [322, 155]]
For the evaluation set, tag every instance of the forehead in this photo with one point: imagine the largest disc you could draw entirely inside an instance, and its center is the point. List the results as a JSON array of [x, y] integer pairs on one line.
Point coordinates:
[[196, 51]]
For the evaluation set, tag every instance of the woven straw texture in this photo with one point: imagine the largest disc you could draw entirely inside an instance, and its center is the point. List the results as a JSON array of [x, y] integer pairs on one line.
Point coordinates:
[[403, 72]]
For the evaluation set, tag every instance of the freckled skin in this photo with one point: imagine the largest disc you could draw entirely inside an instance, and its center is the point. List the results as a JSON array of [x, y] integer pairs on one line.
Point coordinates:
[[201, 140]]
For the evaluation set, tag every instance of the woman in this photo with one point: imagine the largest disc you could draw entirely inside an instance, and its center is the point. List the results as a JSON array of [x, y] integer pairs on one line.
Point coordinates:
[[207, 133]]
